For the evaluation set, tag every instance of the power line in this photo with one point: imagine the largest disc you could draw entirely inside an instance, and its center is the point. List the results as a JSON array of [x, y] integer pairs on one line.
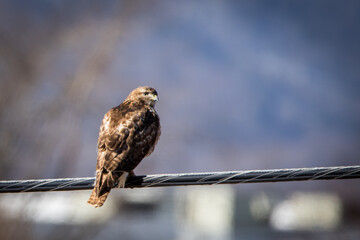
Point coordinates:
[[185, 179]]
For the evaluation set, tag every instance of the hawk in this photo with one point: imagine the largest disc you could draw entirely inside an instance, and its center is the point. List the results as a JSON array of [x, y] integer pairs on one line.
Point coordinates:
[[128, 133]]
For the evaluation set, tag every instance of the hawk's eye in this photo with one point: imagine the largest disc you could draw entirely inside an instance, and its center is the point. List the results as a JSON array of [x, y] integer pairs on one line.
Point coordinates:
[[146, 93]]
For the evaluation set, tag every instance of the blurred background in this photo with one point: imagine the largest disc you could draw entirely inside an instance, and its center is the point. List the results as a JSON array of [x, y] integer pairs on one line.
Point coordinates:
[[251, 84]]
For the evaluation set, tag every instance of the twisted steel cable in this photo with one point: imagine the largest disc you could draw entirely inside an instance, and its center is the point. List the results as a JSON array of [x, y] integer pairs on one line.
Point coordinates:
[[185, 179]]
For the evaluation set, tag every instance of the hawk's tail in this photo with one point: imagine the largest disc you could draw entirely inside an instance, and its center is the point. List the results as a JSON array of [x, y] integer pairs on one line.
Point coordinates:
[[98, 201], [103, 184]]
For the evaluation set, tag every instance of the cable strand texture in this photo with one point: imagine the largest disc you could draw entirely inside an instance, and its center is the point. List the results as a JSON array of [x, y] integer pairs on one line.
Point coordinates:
[[185, 179]]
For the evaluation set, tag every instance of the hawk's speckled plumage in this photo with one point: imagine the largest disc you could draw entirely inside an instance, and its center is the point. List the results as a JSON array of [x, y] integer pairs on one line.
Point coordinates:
[[128, 133]]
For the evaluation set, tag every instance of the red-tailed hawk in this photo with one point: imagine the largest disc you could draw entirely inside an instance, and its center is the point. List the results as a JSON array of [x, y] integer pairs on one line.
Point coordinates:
[[128, 133]]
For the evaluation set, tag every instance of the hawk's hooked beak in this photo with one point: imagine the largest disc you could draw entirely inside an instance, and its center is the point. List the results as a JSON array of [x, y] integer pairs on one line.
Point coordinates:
[[155, 97]]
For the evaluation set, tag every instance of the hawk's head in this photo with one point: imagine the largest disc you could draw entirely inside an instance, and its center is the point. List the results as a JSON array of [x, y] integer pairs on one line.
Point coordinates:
[[146, 95]]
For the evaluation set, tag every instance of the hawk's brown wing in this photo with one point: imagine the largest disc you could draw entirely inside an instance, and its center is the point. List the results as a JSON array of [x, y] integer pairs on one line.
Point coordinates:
[[114, 131], [112, 137]]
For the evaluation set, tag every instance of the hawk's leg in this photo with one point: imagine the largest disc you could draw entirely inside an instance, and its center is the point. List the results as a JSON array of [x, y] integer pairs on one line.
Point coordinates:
[[132, 173], [122, 180]]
